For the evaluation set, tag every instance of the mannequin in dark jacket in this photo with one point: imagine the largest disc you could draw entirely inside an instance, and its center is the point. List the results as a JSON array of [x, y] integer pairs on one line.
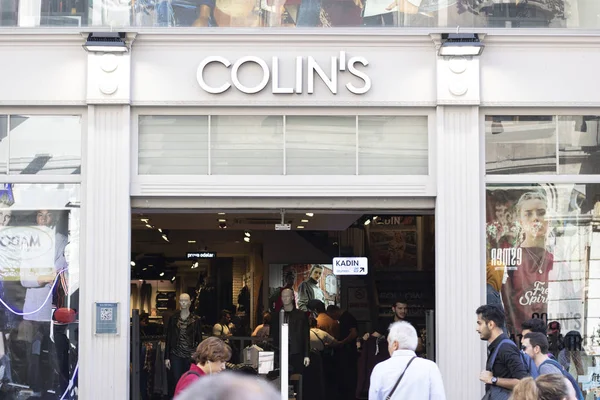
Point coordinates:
[[299, 332], [184, 334]]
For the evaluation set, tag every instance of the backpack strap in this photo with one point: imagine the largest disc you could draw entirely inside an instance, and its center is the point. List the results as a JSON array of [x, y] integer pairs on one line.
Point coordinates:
[[192, 373], [495, 353]]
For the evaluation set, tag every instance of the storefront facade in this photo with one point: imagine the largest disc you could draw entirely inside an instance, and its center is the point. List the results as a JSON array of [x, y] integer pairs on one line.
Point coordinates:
[[446, 112]]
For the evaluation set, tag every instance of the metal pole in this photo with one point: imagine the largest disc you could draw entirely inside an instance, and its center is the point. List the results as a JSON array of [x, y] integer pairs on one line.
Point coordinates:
[[283, 354], [135, 355]]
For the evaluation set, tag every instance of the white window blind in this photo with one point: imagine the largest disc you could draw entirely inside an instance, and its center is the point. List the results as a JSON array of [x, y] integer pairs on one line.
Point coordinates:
[[246, 145], [173, 145], [392, 145], [320, 145]]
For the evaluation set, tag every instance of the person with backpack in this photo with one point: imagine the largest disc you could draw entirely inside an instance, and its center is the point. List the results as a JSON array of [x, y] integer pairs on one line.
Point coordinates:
[[504, 367], [210, 357], [545, 387], [536, 345]]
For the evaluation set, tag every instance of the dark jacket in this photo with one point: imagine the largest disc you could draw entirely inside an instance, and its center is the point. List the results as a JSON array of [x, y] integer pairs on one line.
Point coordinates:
[[299, 336], [194, 330], [374, 351]]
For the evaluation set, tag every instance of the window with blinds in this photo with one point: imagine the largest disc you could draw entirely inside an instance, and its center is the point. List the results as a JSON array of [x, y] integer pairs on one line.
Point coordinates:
[[246, 145], [173, 145], [283, 145]]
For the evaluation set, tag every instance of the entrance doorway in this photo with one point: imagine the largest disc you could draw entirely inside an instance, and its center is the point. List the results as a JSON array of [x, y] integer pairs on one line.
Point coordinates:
[[239, 260]]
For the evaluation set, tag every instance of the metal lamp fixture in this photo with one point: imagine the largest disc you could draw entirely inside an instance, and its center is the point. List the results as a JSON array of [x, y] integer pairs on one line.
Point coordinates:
[[461, 44], [106, 42]]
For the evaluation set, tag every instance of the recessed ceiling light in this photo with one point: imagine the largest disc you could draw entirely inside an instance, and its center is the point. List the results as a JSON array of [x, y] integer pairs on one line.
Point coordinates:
[[145, 220], [247, 239], [162, 274], [304, 221], [144, 269], [300, 227], [310, 214], [166, 239], [221, 214], [148, 226], [191, 241], [173, 279], [133, 263], [151, 265], [222, 220], [248, 234], [368, 221], [160, 230]]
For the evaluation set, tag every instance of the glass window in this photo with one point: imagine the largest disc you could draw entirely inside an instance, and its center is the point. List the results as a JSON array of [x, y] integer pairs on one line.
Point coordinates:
[[303, 13], [246, 145], [171, 145], [320, 145], [543, 261], [520, 145], [44, 144], [39, 288], [579, 144], [392, 145], [529, 145], [3, 143]]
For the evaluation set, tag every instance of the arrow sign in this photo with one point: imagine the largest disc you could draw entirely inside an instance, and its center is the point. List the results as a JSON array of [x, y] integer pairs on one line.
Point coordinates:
[[350, 266]]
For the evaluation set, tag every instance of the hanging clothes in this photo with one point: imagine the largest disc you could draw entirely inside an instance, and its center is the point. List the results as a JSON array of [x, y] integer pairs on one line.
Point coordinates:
[[374, 351]]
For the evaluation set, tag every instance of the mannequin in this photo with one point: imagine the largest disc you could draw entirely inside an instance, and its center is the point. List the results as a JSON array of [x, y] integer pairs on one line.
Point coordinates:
[[299, 332], [184, 333]]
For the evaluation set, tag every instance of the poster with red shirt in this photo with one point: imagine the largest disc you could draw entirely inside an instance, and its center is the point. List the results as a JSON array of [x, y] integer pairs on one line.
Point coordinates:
[[538, 243]]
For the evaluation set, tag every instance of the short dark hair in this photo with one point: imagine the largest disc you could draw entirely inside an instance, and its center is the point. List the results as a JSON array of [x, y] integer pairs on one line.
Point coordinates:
[[399, 301], [333, 308], [316, 305], [534, 325], [225, 313], [538, 339], [491, 312]]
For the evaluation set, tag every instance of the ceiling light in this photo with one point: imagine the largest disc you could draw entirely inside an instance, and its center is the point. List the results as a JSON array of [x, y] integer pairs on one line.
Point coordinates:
[[173, 279], [247, 239], [304, 221], [310, 214], [106, 42], [141, 280], [133, 263], [248, 234], [145, 220], [166, 239], [148, 226], [151, 265], [222, 220], [221, 213], [160, 230], [300, 227], [460, 44], [144, 269], [162, 274], [367, 221], [191, 241]]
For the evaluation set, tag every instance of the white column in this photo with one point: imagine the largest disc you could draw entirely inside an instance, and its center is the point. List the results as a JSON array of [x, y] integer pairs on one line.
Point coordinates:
[[459, 238], [105, 273]]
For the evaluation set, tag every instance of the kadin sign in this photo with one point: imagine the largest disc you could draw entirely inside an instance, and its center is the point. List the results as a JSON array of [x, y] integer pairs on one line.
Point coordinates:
[[350, 266], [106, 318]]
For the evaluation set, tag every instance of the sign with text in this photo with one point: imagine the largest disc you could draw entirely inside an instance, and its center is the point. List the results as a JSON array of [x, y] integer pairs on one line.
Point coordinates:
[[283, 227], [350, 266], [201, 254]]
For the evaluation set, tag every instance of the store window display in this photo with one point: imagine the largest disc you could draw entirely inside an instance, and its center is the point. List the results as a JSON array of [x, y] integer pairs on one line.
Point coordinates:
[[39, 289], [543, 252]]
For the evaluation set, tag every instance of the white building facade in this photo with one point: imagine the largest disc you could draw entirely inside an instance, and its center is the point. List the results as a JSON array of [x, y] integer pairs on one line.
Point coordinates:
[[453, 157]]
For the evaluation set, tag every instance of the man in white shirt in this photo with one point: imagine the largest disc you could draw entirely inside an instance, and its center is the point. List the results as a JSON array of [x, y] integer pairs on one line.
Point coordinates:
[[422, 379]]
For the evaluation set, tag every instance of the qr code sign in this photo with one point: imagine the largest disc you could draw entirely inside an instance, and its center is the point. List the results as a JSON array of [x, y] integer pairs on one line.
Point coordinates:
[[106, 314]]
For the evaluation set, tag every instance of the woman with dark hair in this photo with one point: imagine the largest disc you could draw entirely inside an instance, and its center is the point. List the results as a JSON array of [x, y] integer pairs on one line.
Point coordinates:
[[545, 387], [210, 357]]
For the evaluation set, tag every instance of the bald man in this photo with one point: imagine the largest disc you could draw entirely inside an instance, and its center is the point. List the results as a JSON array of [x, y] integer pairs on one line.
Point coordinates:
[[184, 334]]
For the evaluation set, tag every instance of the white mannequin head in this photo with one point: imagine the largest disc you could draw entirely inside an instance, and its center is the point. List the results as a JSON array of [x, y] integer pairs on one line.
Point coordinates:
[[185, 301], [287, 297]]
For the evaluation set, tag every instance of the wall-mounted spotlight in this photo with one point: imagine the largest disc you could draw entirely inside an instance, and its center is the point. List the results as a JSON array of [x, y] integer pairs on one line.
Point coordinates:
[[106, 42], [460, 44]]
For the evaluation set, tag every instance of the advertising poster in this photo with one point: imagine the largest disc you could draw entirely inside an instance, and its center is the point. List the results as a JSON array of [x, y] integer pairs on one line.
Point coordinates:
[[294, 275], [393, 243], [543, 261]]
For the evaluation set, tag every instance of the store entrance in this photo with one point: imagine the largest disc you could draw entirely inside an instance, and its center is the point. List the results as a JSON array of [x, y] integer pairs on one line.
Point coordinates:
[[230, 267]]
